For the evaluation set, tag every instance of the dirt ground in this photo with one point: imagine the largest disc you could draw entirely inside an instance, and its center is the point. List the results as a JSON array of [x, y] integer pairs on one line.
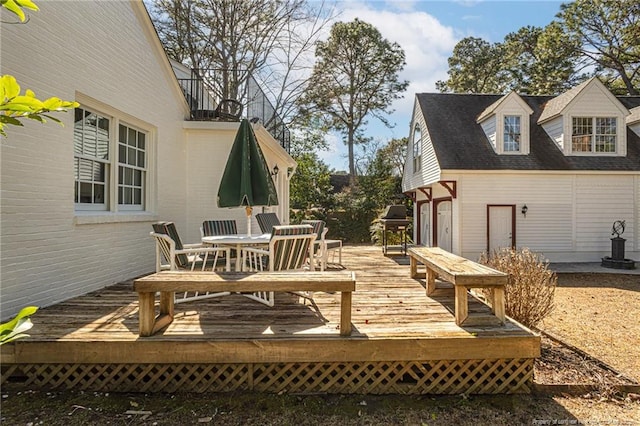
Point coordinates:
[[600, 314], [72, 408], [596, 313]]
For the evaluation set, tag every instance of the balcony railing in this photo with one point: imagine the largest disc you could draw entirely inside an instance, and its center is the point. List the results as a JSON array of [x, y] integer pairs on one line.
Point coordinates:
[[212, 95]]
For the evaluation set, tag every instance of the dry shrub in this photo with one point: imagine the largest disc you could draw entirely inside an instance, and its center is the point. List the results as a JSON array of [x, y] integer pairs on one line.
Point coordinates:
[[531, 287]]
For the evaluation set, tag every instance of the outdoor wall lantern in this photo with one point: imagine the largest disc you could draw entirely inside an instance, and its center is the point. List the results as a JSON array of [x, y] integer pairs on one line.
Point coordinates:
[[524, 210], [275, 170]]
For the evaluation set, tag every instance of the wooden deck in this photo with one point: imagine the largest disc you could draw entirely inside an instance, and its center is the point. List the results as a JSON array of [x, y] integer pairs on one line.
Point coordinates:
[[402, 342]]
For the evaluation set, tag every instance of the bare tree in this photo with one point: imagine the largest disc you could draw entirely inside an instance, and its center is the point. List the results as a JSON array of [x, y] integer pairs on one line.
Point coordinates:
[[228, 42]]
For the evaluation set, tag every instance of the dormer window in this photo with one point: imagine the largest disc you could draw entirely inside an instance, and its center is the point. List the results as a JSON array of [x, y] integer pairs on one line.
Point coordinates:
[[512, 133], [506, 125], [593, 134], [417, 149]]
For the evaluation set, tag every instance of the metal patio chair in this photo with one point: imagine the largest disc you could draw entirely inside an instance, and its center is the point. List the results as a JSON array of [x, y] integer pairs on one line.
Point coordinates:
[[267, 221], [173, 255], [290, 249]]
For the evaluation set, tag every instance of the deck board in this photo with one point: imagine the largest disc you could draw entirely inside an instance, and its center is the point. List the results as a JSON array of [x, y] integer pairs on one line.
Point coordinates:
[[386, 303], [92, 341]]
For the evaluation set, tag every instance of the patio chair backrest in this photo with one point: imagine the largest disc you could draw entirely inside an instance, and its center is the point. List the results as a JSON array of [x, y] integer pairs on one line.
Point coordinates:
[[169, 229], [219, 227], [267, 221], [289, 246], [318, 229], [318, 226]]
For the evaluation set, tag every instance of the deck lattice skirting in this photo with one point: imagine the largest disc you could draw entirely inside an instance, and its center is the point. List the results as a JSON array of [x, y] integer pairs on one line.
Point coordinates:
[[402, 342], [405, 377]]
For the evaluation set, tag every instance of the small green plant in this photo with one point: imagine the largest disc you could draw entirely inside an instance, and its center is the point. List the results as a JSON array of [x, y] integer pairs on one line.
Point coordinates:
[[16, 6], [530, 290], [14, 107], [14, 329]]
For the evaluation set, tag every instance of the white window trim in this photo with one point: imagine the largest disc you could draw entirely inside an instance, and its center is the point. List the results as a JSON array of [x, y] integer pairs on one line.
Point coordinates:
[[524, 133], [417, 147], [115, 213], [621, 136], [132, 207], [96, 207], [520, 120]]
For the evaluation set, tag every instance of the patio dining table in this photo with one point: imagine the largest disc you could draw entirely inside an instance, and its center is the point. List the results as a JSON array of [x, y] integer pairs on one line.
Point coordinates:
[[237, 241]]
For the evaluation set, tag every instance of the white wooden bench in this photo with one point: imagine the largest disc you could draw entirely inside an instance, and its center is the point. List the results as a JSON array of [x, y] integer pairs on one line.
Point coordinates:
[[464, 274], [167, 283]]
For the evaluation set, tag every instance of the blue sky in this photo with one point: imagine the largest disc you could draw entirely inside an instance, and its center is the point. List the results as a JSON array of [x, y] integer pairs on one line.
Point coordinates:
[[428, 32]]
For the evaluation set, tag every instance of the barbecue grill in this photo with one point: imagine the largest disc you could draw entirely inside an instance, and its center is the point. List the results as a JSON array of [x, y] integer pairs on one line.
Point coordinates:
[[395, 219]]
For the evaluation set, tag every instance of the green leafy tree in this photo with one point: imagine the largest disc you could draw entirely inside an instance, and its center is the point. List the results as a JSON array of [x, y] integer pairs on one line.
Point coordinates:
[[476, 66], [355, 76], [310, 185], [378, 185], [541, 60], [608, 34], [13, 106], [381, 186], [307, 135], [531, 60], [395, 152]]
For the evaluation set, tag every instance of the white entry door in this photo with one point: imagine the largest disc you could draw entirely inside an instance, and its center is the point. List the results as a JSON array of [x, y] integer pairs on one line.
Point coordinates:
[[500, 227], [424, 224], [444, 225]]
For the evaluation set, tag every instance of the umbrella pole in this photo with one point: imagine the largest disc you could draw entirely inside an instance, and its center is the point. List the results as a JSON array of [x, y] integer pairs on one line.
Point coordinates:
[[248, 209]]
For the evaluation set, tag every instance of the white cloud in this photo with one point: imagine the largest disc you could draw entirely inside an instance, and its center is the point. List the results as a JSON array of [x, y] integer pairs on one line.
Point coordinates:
[[427, 45], [468, 3], [404, 5]]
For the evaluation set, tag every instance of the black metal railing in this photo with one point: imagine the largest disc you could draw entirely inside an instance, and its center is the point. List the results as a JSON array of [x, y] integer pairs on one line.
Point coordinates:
[[228, 95], [259, 107]]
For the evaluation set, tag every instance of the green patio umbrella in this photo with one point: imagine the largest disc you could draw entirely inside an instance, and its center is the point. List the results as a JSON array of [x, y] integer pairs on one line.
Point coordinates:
[[246, 180]]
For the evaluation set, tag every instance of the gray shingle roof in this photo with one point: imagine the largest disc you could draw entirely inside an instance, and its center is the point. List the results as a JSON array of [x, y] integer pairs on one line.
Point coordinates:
[[557, 104], [460, 143], [635, 115]]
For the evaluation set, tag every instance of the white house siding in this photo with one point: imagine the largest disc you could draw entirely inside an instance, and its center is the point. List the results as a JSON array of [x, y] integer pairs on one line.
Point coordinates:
[[207, 153], [594, 102], [489, 128], [547, 198], [636, 202], [275, 154], [430, 170], [555, 129], [599, 202], [437, 192], [552, 226], [513, 105], [635, 127], [208, 145], [96, 50]]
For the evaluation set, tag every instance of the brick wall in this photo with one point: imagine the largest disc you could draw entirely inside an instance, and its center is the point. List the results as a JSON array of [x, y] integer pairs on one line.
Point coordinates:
[[104, 52]]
